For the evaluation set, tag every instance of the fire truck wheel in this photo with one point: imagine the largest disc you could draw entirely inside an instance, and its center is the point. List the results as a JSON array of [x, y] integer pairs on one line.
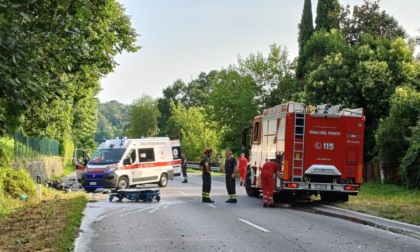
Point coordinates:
[[123, 183], [163, 182], [252, 192]]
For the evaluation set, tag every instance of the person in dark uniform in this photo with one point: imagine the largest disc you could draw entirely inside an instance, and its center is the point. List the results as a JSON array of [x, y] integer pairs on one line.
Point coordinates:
[[184, 167], [205, 163], [230, 171]]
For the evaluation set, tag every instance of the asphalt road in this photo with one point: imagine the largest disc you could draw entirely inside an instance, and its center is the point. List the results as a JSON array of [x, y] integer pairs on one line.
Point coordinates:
[[181, 222]]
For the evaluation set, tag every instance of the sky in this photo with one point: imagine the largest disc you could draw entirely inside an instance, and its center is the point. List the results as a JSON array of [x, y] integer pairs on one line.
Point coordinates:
[[179, 39]]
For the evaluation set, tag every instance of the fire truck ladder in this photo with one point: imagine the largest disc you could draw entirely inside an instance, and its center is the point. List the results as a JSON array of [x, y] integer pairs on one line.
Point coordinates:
[[298, 145]]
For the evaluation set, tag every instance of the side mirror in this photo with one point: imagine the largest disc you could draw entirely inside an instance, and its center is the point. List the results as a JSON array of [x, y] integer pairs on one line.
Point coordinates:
[[245, 137], [85, 161]]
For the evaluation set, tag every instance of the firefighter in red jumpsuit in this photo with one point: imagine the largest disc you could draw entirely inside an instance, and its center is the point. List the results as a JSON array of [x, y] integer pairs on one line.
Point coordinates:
[[267, 179], [243, 162]]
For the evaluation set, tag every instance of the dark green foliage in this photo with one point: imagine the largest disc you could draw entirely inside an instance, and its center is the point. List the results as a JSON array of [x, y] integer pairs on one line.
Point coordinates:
[[306, 29], [327, 13], [410, 165], [396, 141], [368, 19], [192, 94]]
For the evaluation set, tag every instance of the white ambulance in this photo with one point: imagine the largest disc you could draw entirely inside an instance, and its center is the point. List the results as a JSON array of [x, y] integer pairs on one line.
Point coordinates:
[[123, 163]]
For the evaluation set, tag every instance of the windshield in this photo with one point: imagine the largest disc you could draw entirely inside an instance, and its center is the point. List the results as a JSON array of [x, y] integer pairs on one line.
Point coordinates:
[[106, 156]]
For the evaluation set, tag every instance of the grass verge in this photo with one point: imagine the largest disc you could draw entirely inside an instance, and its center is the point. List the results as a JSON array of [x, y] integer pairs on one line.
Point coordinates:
[[387, 201], [50, 225]]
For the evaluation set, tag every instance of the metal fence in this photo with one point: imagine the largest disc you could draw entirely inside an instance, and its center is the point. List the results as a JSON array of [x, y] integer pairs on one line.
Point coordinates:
[[28, 147], [196, 166]]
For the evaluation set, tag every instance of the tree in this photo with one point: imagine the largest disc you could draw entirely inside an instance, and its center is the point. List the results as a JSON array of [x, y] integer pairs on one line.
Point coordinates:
[[113, 120], [317, 48], [143, 116], [231, 106], [272, 76], [410, 165], [104, 129], [395, 134], [196, 130], [51, 51], [368, 19], [171, 94], [306, 29], [327, 13], [198, 90], [192, 94]]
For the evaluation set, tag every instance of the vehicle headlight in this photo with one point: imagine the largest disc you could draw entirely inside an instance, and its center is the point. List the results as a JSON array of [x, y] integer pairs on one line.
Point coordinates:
[[111, 168]]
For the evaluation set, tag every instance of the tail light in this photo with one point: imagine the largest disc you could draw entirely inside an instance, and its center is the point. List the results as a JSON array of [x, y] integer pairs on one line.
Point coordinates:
[[292, 185], [351, 188]]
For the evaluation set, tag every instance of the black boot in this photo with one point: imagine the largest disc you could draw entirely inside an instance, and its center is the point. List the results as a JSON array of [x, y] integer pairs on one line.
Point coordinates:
[[208, 200]]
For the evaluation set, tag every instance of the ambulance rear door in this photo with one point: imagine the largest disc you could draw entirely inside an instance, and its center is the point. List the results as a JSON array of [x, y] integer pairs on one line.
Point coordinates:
[[81, 158]]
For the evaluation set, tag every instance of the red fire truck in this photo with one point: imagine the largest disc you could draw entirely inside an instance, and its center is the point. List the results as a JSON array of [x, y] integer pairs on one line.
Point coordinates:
[[322, 149]]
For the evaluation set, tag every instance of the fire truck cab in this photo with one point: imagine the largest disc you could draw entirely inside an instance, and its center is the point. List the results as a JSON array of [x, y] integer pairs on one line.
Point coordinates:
[[322, 149]]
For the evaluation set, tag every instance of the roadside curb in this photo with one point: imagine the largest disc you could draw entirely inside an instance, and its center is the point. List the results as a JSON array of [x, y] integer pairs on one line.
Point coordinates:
[[370, 220]]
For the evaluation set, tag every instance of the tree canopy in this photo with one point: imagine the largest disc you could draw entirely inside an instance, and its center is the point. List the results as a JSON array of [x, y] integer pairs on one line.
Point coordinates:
[[327, 13], [143, 118], [53, 55]]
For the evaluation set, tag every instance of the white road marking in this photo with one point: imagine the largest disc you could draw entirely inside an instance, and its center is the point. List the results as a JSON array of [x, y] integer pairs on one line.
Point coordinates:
[[255, 226], [186, 194], [211, 205]]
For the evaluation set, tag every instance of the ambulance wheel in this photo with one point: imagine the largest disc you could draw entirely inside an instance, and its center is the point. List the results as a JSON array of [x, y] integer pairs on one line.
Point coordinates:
[[163, 182], [122, 183]]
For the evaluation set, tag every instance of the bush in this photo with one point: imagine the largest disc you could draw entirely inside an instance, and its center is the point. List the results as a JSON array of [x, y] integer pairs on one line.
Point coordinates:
[[16, 182], [410, 164]]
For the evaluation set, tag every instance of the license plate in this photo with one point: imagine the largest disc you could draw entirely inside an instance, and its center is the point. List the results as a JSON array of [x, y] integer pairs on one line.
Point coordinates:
[[92, 183], [321, 187]]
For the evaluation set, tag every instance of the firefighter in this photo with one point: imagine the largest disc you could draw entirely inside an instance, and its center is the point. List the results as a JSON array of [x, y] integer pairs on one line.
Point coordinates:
[[184, 167], [242, 163], [205, 163], [267, 179], [230, 171]]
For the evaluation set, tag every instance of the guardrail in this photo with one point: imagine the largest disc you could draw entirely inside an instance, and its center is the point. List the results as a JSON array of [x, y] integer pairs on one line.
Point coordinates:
[[197, 167]]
